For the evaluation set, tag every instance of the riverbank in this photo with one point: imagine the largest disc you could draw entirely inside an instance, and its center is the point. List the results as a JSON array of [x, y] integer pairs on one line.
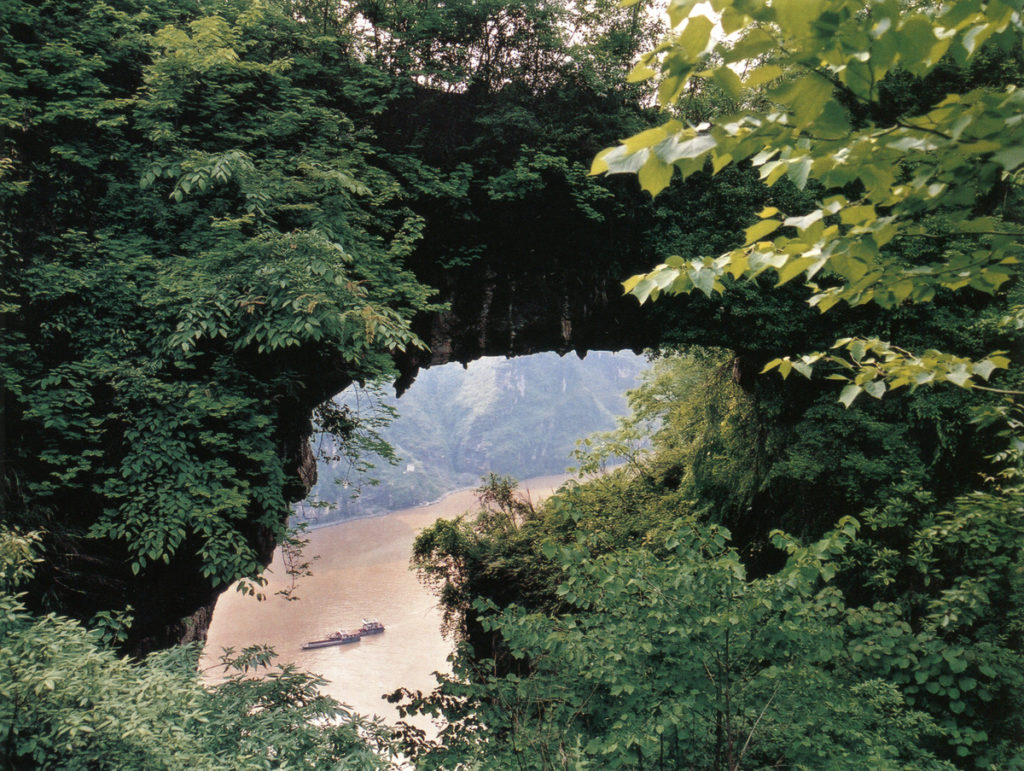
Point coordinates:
[[313, 525], [542, 483]]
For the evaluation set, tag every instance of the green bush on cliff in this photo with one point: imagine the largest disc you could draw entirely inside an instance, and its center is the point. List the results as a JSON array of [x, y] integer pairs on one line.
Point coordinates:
[[190, 223]]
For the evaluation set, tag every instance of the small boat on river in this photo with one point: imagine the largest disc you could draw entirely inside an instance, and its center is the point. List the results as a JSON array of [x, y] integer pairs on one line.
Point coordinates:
[[371, 626], [335, 638]]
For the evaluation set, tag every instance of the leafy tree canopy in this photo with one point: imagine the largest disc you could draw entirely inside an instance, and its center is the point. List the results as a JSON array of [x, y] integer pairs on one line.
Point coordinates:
[[189, 224], [942, 176], [68, 701], [211, 216]]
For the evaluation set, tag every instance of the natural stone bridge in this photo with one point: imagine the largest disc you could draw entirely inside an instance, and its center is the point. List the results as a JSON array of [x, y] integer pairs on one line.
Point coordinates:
[[503, 307], [491, 310], [496, 310]]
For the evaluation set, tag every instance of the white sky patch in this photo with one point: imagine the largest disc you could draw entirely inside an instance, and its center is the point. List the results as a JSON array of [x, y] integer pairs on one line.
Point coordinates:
[[700, 9], [717, 33]]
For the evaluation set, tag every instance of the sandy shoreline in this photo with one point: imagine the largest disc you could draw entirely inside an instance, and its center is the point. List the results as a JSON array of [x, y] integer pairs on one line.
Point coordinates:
[[311, 526]]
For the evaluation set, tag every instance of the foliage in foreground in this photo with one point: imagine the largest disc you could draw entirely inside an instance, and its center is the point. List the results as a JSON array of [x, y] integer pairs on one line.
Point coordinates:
[[188, 225], [679, 658], [620, 626], [913, 199], [68, 701]]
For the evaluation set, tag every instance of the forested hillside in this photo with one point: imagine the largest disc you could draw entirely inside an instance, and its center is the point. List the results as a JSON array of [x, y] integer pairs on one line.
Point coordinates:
[[515, 417], [216, 214]]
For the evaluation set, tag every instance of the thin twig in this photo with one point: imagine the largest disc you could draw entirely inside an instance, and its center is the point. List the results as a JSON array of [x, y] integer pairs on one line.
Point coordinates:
[[753, 728]]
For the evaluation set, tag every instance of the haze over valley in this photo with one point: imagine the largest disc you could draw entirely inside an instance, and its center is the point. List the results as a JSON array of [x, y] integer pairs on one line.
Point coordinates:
[[519, 417]]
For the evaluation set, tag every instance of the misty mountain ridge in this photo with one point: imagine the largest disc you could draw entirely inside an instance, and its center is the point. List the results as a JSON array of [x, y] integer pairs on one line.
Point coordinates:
[[519, 417]]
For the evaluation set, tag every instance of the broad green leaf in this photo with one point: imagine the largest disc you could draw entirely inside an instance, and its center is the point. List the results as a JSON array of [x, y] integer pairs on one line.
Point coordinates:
[[875, 388], [759, 230], [630, 283], [796, 16], [849, 393], [720, 161], [984, 369], [732, 19], [1010, 158], [655, 175], [646, 139], [738, 264], [959, 375], [754, 43], [704, 280], [640, 73], [916, 40], [695, 37], [804, 222], [763, 74], [673, 149], [857, 215], [618, 160], [679, 10], [599, 165], [728, 81], [806, 97], [803, 368], [643, 289], [793, 268]]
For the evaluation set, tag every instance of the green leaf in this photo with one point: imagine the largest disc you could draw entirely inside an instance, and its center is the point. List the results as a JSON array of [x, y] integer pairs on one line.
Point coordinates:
[[806, 97], [984, 369], [798, 172], [875, 388], [754, 43], [849, 393], [763, 74], [655, 175], [704, 280], [759, 230], [672, 149], [1010, 158], [803, 368], [696, 35], [728, 81]]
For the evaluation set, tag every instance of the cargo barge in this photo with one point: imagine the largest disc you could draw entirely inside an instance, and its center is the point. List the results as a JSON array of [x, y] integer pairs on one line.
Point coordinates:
[[337, 638], [370, 626]]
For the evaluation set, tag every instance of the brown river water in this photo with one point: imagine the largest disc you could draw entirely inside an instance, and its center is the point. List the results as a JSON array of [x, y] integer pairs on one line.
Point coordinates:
[[362, 572]]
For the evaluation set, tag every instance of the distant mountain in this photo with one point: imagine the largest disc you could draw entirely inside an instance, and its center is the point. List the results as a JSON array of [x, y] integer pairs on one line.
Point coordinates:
[[520, 417]]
